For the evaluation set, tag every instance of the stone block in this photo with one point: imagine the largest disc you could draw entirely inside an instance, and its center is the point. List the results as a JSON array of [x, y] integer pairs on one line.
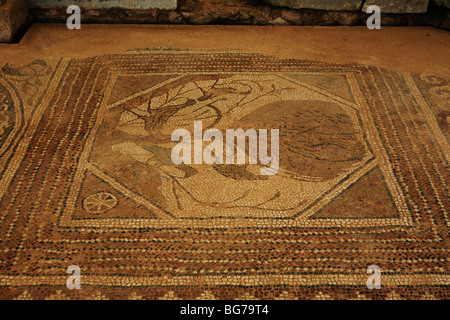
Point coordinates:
[[319, 4], [13, 15], [94, 4], [398, 6], [442, 3]]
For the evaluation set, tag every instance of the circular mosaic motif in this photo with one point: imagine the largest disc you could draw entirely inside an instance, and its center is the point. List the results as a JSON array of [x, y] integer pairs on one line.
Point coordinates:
[[99, 202]]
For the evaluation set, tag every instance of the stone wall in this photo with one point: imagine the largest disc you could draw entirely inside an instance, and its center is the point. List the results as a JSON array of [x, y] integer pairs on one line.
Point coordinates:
[[249, 12], [130, 4], [387, 6], [319, 4], [13, 13]]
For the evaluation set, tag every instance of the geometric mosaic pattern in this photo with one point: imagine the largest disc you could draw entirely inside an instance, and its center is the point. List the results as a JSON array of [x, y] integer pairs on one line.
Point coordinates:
[[86, 179]]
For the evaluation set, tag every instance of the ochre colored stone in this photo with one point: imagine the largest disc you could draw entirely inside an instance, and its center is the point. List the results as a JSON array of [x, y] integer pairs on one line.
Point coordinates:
[[13, 14]]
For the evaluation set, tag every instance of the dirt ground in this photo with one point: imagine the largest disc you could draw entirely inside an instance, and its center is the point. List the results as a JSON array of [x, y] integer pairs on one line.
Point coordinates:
[[410, 49]]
